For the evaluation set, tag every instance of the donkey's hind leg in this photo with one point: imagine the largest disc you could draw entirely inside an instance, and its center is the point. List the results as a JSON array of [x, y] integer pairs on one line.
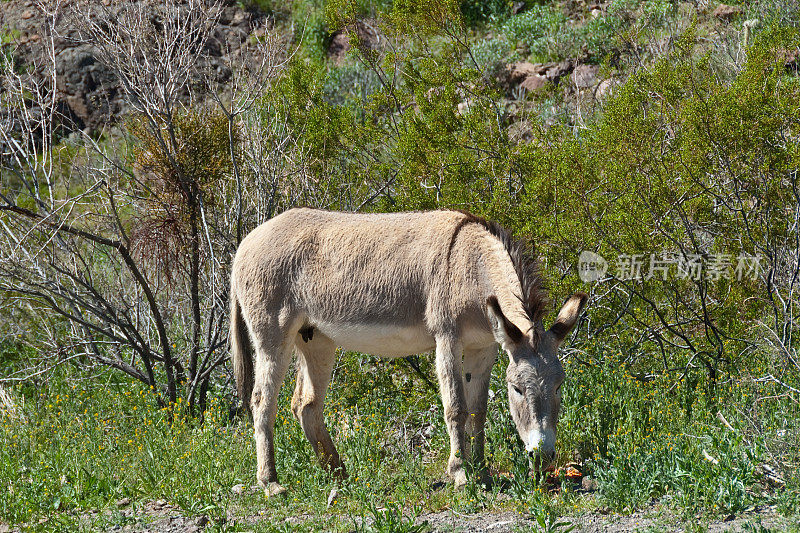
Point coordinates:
[[315, 359], [273, 356]]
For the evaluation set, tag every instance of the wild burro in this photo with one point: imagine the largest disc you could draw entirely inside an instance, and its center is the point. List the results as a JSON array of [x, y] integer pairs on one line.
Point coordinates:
[[394, 285]]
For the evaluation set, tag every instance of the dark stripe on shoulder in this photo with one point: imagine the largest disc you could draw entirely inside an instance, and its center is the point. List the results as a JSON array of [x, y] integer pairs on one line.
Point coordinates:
[[523, 257]]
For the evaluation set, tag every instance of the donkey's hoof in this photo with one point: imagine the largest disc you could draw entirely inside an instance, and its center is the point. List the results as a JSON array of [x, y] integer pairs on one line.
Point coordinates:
[[274, 489], [333, 497], [460, 479]]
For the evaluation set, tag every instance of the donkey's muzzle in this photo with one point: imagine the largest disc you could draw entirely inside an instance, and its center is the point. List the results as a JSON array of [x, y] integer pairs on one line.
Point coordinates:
[[542, 459]]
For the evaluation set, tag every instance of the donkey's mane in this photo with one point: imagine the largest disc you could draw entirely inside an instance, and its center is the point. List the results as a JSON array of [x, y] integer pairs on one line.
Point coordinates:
[[522, 253]]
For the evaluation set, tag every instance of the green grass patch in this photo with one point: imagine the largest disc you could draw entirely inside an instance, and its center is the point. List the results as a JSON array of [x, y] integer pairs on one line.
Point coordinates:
[[75, 446]]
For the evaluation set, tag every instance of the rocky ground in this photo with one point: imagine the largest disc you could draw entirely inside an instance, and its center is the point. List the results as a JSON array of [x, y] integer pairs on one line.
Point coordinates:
[[161, 517], [90, 94]]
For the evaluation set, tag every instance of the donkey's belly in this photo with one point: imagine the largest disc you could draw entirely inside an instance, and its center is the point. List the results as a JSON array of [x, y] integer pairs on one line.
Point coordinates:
[[385, 340]]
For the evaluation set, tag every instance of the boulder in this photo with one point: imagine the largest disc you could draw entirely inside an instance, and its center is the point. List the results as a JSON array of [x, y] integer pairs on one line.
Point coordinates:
[[556, 71], [606, 88], [339, 45], [534, 82], [89, 88], [532, 76], [585, 76], [726, 13]]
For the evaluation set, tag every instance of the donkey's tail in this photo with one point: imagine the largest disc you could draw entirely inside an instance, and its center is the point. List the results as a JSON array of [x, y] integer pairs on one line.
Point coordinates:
[[241, 353]]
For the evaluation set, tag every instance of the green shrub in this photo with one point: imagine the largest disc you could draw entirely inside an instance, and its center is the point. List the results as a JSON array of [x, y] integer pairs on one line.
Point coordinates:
[[773, 13], [493, 51], [349, 85], [7, 38], [536, 29], [263, 6], [624, 24], [543, 33], [533, 33]]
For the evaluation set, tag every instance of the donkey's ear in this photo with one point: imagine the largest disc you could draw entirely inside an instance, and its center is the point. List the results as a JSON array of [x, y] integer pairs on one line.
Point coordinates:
[[504, 330], [568, 315]]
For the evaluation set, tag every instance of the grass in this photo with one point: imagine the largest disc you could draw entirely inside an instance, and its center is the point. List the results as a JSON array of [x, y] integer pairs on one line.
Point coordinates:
[[663, 437], [73, 446]]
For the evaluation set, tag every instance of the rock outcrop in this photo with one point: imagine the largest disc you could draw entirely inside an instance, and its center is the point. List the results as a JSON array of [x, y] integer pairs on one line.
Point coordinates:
[[88, 91]]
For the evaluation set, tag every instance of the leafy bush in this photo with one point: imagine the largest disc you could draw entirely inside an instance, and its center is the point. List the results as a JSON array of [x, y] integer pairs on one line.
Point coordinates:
[[774, 13], [7, 39], [349, 85], [308, 18], [493, 51], [264, 6], [536, 29], [543, 33], [531, 33]]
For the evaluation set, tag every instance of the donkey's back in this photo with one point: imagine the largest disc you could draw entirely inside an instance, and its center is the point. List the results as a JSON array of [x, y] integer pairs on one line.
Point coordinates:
[[371, 283]]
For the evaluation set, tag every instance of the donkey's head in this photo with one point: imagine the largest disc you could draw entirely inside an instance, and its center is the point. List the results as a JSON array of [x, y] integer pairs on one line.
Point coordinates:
[[535, 374]]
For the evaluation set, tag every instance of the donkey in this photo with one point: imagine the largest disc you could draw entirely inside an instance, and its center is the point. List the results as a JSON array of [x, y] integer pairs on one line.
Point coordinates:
[[394, 285]]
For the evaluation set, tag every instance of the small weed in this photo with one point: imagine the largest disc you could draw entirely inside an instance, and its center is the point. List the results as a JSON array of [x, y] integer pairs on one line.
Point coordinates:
[[390, 519], [546, 520], [756, 526], [7, 38]]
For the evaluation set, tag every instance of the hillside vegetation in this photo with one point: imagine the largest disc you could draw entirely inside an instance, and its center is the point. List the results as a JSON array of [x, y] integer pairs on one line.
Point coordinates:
[[648, 149]]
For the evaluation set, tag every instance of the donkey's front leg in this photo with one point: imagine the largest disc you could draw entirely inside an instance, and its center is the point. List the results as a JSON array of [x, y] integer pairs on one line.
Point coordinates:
[[448, 370], [477, 374]]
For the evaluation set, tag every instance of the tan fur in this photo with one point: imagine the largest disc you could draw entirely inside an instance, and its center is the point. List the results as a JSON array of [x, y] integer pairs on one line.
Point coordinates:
[[392, 285]]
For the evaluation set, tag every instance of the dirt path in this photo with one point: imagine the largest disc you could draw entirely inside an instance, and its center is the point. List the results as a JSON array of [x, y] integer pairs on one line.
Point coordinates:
[[160, 517]]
